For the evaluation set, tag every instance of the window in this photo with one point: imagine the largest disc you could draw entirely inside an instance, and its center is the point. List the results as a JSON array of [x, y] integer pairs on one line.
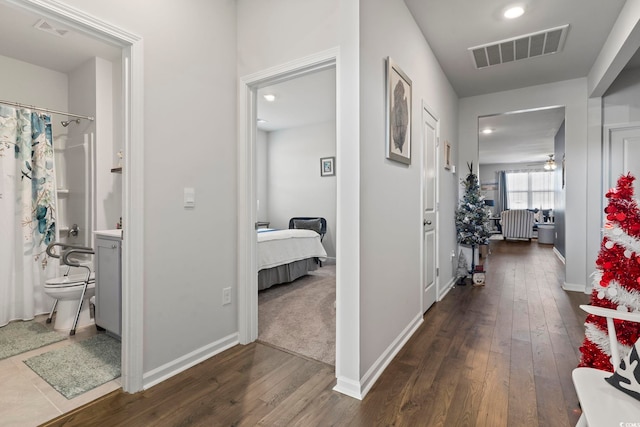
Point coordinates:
[[530, 190]]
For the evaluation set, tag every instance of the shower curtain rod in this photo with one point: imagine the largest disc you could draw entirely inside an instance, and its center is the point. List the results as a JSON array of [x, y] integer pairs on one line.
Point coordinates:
[[46, 110]]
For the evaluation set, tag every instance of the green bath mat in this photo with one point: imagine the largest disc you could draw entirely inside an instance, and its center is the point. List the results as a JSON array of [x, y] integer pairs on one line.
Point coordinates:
[[79, 367], [19, 337]]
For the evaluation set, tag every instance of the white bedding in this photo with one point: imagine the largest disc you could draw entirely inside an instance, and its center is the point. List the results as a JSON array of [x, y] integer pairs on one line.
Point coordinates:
[[277, 247]]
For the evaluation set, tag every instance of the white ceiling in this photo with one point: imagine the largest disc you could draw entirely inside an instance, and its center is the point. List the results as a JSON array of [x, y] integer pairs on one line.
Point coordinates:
[[451, 27], [519, 137], [301, 101], [20, 40]]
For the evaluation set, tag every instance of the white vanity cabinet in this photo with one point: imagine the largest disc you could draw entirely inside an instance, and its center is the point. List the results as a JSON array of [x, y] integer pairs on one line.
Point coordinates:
[[108, 266]]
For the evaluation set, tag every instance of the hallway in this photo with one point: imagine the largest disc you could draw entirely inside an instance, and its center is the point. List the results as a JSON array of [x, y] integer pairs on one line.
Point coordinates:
[[498, 355]]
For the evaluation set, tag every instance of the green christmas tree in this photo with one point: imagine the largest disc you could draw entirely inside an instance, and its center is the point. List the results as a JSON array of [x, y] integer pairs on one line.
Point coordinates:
[[472, 216]]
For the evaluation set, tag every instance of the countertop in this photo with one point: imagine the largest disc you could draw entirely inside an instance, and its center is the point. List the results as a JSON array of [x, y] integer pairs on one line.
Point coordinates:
[[109, 233]]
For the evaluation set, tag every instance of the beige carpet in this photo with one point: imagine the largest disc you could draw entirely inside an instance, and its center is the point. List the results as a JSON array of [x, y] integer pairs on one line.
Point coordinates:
[[300, 316]]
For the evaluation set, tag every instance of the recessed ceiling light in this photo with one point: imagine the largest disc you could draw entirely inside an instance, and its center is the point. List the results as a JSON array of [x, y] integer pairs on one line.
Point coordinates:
[[514, 12], [270, 97], [487, 131]]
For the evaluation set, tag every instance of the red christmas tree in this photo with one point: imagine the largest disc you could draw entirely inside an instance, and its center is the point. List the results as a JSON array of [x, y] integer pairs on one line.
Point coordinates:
[[616, 282]]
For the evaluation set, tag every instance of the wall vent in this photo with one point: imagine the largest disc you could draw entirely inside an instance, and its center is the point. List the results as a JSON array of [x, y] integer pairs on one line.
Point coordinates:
[[48, 28], [522, 47]]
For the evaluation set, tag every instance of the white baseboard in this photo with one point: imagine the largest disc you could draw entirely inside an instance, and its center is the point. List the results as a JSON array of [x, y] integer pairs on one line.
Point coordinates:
[[185, 362], [348, 387], [444, 291], [559, 255], [573, 287], [359, 391]]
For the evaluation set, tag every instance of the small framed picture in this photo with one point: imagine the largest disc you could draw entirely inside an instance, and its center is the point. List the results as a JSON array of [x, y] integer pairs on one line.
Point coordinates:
[[447, 155], [398, 114], [327, 166]]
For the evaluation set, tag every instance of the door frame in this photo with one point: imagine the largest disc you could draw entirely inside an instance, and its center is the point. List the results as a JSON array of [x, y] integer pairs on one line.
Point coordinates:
[[609, 181], [247, 184], [133, 177], [426, 110], [608, 131]]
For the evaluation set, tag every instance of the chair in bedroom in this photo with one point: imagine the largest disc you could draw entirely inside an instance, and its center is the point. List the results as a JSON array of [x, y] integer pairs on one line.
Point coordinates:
[[315, 223], [606, 398], [517, 224]]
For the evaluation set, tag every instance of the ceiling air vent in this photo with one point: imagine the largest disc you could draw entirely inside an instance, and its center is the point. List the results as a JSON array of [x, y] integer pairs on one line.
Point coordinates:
[[48, 28], [528, 46]]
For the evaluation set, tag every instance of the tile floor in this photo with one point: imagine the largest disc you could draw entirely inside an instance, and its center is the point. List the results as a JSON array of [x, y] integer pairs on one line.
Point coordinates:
[[26, 400]]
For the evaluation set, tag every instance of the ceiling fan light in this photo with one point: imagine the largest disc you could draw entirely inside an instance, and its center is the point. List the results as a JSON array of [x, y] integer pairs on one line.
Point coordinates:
[[550, 164]]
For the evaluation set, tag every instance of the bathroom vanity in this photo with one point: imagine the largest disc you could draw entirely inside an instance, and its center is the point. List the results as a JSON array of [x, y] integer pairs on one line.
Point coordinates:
[[108, 266]]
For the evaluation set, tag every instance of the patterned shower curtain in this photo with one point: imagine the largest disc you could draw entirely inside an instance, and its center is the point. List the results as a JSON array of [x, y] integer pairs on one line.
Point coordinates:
[[27, 212]]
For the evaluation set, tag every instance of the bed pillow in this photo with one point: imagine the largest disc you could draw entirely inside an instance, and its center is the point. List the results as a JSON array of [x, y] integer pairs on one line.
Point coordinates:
[[308, 224], [626, 377]]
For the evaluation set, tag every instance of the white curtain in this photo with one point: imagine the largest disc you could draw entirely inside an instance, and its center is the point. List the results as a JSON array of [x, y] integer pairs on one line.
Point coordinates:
[[27, 212], [530, 189]]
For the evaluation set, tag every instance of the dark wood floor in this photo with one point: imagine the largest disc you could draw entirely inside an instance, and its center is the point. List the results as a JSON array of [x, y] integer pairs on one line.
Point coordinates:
[[498, 355]]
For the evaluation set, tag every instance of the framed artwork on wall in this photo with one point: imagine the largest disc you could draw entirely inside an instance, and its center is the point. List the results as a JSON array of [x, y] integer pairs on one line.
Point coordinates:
[[398, 114], [327, 166]]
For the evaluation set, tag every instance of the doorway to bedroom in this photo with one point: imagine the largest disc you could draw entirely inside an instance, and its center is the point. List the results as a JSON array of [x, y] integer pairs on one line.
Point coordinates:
[[295, 169]]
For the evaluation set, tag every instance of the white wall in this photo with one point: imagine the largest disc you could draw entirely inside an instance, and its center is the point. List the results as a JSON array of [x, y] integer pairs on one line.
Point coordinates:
[[295, 186], [621, 103], [82, 100], [572, 94], [189, 255], [391, 210], [108, 185], [91, 94], [278, 31], [348, 347], [30, 84], [117, 115]]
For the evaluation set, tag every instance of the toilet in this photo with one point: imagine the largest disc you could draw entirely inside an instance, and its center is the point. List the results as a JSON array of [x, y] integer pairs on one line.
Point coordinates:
[[67, 291]]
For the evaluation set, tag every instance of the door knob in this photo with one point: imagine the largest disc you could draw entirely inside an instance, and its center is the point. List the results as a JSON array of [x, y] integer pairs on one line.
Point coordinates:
[[426, 222]]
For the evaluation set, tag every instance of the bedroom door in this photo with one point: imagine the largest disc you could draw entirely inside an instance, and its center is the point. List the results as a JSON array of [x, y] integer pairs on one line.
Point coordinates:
[[430, 209]]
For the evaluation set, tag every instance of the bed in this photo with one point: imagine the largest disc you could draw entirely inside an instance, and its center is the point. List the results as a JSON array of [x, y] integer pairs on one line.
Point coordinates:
[[285, 255]]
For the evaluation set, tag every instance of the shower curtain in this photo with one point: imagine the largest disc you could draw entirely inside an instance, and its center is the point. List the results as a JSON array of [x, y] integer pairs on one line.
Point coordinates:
[[27, 212]]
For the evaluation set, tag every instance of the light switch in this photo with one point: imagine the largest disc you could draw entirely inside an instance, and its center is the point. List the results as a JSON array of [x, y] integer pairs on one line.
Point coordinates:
[[189, 198]]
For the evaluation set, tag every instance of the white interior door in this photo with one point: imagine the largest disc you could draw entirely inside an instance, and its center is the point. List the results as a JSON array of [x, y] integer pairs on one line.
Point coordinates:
[[430, 204], [623, 154]]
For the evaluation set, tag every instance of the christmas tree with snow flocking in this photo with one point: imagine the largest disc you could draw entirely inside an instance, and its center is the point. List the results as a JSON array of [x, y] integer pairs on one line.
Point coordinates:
[[616, 282], [472, 215]]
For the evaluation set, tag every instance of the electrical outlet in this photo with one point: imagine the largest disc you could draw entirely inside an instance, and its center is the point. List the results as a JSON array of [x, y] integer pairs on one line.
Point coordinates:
[[226, 296]]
